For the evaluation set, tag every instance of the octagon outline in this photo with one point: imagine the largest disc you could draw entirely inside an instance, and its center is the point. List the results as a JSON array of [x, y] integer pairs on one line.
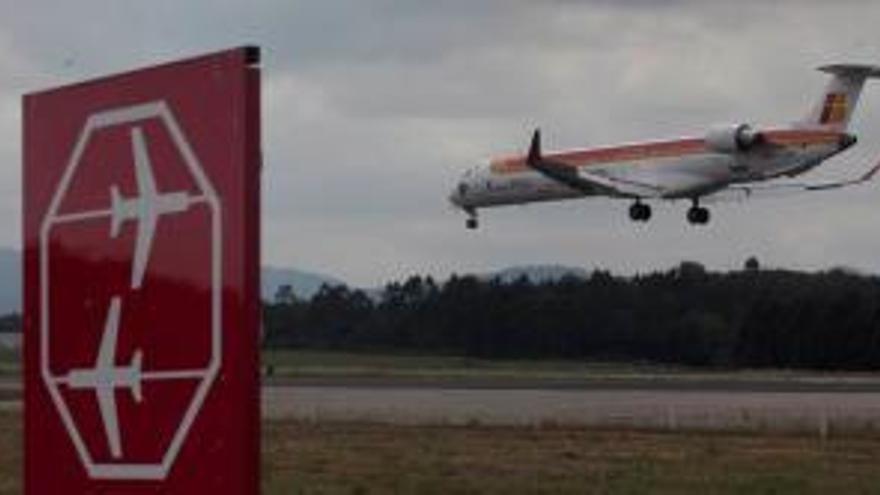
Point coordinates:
[[96, 121]]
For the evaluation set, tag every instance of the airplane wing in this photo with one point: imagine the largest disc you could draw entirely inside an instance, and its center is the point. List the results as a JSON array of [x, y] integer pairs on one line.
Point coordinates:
[[587, 182], [107, 352], [104, 389], [619, 186], [145, 232], [109, 416], [784, 189], [142, 166], [147, 215]]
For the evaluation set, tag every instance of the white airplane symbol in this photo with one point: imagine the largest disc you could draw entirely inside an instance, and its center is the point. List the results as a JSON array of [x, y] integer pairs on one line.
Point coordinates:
[[106, 377], [145, 208]]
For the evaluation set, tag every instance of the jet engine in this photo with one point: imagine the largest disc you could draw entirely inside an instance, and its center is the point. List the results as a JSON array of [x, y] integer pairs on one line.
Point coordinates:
[[732, 138]]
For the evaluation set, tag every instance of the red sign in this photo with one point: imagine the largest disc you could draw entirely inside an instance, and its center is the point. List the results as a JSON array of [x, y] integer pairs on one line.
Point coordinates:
[[141, 237]]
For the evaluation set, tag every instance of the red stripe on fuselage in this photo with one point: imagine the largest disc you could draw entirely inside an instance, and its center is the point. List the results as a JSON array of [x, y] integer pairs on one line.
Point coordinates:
[[656, 149], [802, 137]]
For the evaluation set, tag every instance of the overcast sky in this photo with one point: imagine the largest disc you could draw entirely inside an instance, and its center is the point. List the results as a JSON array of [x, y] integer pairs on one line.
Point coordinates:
[[373, 108]]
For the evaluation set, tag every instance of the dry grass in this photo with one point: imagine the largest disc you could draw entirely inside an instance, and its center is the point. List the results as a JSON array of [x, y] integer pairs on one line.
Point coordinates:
[[10, 453], [363, 458], [328, 458]]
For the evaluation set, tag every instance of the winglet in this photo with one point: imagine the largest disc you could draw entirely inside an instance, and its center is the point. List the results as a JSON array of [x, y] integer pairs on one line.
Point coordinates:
[[867, 176], [534, 156], [870, 173]]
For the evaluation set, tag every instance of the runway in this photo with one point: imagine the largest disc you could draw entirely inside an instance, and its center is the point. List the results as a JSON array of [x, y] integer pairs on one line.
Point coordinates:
[[820, 407], [769, 407]]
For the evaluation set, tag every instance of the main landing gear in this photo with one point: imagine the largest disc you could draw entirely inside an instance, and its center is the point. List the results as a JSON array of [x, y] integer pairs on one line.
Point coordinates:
[[640, 212], [698, 215]]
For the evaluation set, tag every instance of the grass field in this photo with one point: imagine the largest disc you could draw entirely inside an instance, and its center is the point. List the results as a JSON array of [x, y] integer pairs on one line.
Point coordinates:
[[337, 364], [317, 364], [308, 361], [340, 458], [9, 362], [10, 453]]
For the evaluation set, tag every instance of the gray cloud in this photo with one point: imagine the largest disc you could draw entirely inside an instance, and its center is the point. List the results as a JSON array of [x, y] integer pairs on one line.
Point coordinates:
[[372, 108]]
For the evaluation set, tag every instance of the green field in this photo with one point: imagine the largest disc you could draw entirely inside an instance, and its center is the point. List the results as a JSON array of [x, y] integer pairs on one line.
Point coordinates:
[[317, 364], [339, 364], [9, 362], [307, 360], [341, 458]]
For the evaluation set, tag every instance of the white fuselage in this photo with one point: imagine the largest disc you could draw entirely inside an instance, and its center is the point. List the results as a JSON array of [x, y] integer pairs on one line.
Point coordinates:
[[693, 172]]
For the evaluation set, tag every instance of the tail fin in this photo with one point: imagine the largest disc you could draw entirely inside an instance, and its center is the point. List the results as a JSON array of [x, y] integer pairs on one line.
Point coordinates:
[[841, 94]]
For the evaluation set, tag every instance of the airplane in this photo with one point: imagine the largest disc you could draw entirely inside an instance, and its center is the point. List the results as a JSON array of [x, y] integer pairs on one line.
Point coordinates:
[[146, 208], [728, 161], [106, 377]]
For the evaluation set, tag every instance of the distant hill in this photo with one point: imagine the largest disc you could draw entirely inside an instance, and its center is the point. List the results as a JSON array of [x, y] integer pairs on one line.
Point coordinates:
[[305, 284]]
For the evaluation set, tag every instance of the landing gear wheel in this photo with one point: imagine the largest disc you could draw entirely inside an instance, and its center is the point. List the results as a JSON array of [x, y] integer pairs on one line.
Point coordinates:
[[639, 212], [471, 223], [704, 215], [697, 215]]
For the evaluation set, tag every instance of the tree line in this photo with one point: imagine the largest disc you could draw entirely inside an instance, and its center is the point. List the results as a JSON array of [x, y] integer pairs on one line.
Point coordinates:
[[686, 315]]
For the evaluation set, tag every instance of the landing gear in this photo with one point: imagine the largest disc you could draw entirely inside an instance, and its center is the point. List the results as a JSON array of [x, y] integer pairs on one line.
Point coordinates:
[[698, 215], [639, 212], [471, 223]]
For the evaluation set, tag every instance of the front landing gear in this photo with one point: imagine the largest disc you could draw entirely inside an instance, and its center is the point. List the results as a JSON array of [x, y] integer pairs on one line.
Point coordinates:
[[472, 222], [639, 212], [698, 215]]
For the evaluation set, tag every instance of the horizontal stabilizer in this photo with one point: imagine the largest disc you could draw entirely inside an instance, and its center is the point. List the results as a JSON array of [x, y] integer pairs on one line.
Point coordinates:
[[852, 70]]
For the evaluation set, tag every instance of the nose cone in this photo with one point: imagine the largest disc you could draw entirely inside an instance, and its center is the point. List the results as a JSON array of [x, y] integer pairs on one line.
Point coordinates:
[[847, 140], [455, 197]]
